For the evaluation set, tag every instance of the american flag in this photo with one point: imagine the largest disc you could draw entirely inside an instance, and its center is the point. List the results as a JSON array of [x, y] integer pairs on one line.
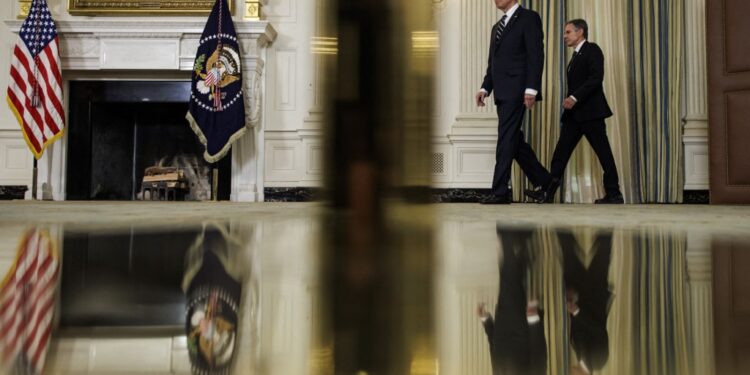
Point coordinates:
[[35, 89], [213, 77], [27, 301]]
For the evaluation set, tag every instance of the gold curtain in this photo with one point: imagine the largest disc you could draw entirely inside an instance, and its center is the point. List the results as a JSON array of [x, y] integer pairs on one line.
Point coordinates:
[[548, 287], [656, 61], [539, 128]]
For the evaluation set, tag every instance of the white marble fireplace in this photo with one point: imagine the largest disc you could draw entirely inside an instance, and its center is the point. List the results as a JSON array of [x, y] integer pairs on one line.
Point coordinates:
[[163, 50]]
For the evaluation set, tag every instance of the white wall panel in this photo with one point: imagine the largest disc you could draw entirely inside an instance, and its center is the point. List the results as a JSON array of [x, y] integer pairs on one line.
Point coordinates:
[[283, 162], [282, 11], [16, 161], [286, 85]]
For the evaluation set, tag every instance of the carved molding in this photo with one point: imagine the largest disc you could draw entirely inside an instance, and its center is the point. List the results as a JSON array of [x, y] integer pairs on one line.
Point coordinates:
[[83, 42], [253, 87]]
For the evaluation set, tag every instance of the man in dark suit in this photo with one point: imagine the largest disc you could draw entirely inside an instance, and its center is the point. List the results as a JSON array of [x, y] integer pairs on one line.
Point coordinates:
[[514, 74], [585, 109], [516, 334], [588, 297]]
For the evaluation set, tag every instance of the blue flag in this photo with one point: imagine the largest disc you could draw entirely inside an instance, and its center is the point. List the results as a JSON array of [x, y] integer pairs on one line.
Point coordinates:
[[217, 106]]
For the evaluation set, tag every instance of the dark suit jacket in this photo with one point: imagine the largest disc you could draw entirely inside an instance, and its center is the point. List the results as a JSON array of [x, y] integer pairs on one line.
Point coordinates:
[[588, 329], [522, 351], [517, 61], [516, 347], [585, 77]]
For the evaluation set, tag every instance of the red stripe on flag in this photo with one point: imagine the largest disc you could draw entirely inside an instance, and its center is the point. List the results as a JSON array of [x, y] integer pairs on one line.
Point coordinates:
[[23, 59], [52, 58], [39, 314], [38, 357], [27, 102], [50, 94], [48, 101], [24, 125], [28, 295]]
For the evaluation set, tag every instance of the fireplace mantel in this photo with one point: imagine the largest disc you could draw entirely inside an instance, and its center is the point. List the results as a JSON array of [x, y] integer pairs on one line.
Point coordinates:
[[128, 46]]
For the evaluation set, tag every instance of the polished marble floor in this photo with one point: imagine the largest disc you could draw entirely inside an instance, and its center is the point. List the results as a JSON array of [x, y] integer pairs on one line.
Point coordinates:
[[219, 288]]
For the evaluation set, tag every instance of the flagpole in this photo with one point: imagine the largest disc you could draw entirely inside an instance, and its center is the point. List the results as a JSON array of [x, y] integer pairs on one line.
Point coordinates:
[[33, 181], [217, 99], [215, 183]]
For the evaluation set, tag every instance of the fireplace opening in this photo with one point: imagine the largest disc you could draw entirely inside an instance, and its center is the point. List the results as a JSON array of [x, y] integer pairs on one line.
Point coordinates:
[[118, 129]]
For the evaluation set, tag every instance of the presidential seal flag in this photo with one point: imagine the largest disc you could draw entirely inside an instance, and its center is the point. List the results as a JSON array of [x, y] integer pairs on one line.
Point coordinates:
[[35, 85], [217, 106]]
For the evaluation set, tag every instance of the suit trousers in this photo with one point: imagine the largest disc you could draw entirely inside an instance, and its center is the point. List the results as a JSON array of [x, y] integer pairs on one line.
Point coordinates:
[[512, 145], [596, 133]]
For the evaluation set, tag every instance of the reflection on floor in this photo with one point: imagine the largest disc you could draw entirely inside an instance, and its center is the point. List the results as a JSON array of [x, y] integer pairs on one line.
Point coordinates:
[[217, 288]]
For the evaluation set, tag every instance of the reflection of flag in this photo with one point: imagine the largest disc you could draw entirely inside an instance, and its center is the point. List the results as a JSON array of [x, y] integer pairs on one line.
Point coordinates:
[[35, 88], [217, 106], [213, 300], [27, 301]]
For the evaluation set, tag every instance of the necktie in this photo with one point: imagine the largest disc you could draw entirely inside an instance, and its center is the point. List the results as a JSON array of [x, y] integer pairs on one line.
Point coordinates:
[[500, 28], [572, 59]]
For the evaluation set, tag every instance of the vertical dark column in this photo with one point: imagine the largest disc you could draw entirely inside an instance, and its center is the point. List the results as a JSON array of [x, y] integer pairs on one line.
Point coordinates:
[[728, 101], [377, 249]]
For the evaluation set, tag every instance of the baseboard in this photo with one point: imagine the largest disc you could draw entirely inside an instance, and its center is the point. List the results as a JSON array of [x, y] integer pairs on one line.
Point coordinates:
[[298, 194], [11, 192], [306, 194], [459, 195], [696, 197], [292, 194]]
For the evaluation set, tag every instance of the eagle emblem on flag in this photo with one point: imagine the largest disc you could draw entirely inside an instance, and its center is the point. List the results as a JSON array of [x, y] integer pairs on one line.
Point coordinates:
[[219, 71], [217, 106]]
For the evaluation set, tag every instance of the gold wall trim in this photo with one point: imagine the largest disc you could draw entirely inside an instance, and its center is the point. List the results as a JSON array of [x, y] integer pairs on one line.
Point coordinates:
[[252, 10], [23, 8], [142, 7]]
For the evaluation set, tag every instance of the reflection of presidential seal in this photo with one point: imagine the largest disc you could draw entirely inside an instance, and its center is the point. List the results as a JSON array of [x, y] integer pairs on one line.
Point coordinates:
[[211, 329], [213, 302], [220, 70]]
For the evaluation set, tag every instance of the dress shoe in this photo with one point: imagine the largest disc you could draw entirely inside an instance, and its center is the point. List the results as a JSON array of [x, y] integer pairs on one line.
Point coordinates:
[[544, 195], [538, 195], [615, 198], [496, 199]]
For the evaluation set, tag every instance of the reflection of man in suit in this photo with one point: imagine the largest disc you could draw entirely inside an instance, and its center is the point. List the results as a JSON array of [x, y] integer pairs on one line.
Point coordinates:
[[514, 74], [585, 109], [588, 300], [516, 334]]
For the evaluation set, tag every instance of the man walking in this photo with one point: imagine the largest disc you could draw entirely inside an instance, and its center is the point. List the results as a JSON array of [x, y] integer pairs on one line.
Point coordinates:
[[514, 74], [516, 333], [585, 109]]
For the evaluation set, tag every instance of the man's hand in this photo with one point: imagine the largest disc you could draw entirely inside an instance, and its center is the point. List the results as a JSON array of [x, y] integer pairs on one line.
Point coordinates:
[[481, 311], [571, 300], [480, 98], [529, 101], [569, 103]]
